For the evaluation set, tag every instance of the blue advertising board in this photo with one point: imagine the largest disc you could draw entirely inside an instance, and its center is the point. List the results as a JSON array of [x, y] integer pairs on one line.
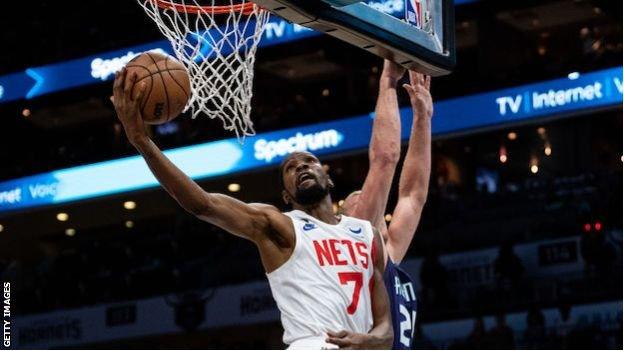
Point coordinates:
[[37, 81], [587, 91], [56, 77]]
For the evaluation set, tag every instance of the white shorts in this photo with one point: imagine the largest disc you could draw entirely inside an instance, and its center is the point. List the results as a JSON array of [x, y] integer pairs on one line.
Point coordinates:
[[312, 343]]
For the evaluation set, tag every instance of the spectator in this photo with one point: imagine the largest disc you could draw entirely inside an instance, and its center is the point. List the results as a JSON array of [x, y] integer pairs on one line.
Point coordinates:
[[476, 339], [599, 255], [535, 333], [501, 336], [507, 265], [433, 276], [564, 326], [508, 270]]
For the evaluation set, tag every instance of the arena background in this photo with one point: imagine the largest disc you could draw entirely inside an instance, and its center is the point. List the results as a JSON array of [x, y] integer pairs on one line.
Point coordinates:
[[520, 244]]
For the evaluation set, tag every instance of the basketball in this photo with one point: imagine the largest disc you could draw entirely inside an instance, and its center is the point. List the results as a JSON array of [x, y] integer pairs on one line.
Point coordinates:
[[167, 86]]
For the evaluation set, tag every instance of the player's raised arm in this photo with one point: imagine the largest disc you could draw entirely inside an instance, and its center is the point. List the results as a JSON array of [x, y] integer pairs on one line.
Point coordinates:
[[414, 181], [234, 216], [385, 148]]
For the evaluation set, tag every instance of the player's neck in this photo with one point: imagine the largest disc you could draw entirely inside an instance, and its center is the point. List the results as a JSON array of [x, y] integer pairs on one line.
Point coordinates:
[[323, 210]]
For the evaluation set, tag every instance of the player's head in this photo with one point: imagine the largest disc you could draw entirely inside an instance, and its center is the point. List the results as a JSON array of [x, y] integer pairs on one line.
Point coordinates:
[[350, 202], [304, 180]]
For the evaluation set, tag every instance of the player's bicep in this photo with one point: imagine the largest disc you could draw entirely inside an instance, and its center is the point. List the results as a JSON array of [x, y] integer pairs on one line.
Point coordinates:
[[405, 219], [374, 195], [249, 221]]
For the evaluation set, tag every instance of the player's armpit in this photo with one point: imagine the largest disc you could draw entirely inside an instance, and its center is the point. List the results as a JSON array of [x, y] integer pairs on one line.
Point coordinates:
[[255, 221]]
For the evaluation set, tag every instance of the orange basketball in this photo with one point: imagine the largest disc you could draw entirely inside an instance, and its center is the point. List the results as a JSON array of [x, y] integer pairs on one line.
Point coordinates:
[[167, 88]]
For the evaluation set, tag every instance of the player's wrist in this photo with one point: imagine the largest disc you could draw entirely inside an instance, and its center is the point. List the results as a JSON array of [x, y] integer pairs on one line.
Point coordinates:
[[137, 138], [388, 82], [378, 341]]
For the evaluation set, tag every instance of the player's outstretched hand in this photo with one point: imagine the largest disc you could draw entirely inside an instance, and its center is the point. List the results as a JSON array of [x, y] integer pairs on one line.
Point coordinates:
[[127, 104], [392, 71], [347, 340], [419, 94]]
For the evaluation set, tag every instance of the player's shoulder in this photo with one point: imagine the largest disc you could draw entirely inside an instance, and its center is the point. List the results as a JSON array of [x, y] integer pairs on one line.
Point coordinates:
[[264, 207], [281, 227], [268, 210]]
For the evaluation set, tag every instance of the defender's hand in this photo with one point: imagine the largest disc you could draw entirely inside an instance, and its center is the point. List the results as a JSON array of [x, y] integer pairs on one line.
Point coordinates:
[[127, 105], [420, 97], [347, 340], [392, 71]]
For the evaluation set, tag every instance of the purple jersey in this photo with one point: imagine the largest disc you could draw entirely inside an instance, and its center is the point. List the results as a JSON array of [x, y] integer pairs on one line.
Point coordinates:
[[402, 304]]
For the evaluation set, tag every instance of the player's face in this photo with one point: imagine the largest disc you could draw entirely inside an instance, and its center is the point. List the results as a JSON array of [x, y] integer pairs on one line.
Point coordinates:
[[305, 180]]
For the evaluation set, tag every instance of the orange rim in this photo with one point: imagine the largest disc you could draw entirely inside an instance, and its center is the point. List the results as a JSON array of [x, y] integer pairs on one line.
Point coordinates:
[[246, 8]]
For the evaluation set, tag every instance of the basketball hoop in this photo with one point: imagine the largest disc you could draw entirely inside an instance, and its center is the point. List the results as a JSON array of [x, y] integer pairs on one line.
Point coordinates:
[[216, 40]]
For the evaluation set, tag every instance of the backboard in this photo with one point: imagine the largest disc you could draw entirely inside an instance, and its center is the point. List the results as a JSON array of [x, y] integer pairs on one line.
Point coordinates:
[[424, 39]]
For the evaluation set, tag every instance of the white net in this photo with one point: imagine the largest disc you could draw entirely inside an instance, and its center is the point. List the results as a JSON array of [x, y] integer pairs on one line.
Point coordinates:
[[218, 50]]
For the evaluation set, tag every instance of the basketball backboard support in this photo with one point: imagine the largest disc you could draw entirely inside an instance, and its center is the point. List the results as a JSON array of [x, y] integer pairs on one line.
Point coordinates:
[[423, 41]]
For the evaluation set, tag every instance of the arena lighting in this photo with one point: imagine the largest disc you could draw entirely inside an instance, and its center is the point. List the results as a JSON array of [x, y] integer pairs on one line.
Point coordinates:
[[597, 226], [341, 202], [70, 231], [1, 228], [388, 217], [534, 165], [512, 136], [62, 216], [129, 224], [587, 227], [325, 92], [573, 75], [234, 187], [547, 149], [129, 205], [541, 130], [502, 154], [26, 112]]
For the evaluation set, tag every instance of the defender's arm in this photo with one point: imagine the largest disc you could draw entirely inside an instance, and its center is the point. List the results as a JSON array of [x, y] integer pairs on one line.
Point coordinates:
[[414, 179], [385, 148]]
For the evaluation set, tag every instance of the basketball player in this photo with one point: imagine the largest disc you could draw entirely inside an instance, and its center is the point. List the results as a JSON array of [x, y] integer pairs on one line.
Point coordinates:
[[325, 271], [370, 203]]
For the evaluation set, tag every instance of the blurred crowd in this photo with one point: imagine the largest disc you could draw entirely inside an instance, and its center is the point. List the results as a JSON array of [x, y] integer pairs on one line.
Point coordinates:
[[164, 255], [565, 334]]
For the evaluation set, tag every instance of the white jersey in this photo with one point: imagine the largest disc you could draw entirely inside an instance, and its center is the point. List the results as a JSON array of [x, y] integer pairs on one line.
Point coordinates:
[[325, 284]]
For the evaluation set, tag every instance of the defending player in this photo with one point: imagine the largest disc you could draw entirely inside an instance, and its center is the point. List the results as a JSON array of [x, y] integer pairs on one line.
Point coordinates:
[[370, 203], [325, 272]]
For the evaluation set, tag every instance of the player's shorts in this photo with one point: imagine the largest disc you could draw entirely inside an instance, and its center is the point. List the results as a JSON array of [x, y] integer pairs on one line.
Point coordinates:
[[312, 343]]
